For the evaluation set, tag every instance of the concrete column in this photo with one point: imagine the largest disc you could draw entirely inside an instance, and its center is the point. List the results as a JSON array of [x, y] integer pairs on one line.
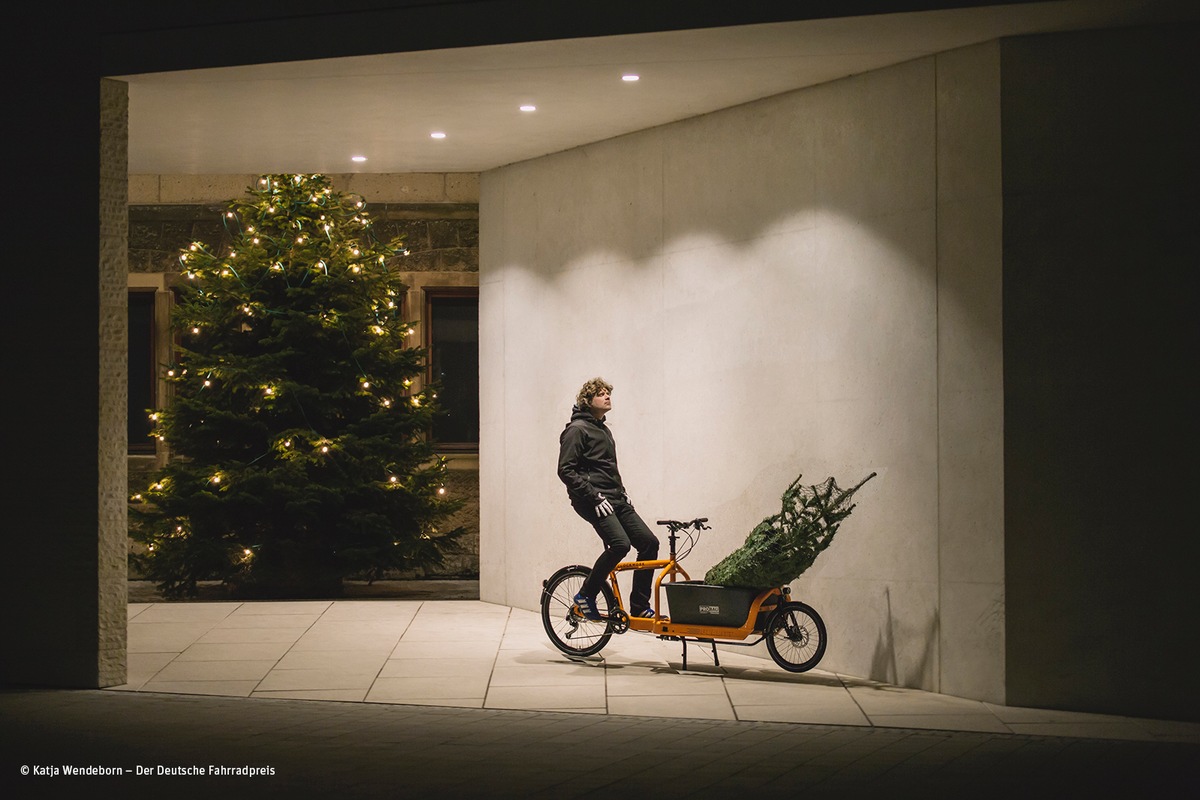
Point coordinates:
[[112, 490], [970, 375]]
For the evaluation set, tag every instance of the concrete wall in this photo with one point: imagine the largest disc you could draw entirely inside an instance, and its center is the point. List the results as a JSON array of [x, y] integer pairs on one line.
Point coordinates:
[[1100, 342], [761, 285]]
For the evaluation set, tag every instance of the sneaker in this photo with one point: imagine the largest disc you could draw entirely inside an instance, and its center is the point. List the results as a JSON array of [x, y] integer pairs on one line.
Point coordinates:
[[587, 607], [646, 613]]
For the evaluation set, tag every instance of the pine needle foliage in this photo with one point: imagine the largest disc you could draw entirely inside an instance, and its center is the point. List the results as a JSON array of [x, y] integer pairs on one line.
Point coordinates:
[[297, 434], [784, 545]]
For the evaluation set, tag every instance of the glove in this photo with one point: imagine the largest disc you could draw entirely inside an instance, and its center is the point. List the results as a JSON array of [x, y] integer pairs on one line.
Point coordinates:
[[604, 508]]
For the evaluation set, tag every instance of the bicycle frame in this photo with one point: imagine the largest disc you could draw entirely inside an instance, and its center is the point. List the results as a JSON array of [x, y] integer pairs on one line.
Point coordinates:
[[662, 626], [670, 568]]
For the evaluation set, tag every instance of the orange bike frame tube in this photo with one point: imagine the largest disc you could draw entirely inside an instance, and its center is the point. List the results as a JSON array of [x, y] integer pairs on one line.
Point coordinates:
[[669, 566]]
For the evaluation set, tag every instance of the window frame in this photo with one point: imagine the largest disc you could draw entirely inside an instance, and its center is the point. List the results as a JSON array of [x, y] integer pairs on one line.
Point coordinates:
[[430, 294], [148, 446]]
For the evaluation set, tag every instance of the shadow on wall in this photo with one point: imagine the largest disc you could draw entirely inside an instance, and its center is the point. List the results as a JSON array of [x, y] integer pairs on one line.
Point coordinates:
[[884, 666]]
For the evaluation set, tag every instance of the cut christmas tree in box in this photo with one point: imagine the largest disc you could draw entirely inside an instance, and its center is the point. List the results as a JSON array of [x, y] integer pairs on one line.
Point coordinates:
[[784, 545]]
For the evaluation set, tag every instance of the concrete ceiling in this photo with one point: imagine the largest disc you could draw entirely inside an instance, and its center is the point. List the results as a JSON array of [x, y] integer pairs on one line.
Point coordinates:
[[312, 116]]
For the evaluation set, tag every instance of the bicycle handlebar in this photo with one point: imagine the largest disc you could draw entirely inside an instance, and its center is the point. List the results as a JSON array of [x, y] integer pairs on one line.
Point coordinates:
[[675, 524]]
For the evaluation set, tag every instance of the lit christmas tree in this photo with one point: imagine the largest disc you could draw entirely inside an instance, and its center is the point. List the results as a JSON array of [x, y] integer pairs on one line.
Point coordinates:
[[298, 436]]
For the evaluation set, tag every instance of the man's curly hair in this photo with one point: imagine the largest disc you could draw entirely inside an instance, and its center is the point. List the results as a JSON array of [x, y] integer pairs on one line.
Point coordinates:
[[590, 389]]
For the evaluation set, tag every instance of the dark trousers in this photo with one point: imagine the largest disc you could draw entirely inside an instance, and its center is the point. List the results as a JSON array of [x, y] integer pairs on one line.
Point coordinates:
[[620, 531]]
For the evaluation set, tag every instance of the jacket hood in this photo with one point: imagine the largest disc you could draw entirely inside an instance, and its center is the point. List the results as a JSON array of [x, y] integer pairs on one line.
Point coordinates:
[[578, 412]]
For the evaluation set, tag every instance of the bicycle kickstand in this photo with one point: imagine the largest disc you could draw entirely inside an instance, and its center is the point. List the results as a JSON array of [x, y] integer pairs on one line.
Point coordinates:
[[713, 642]]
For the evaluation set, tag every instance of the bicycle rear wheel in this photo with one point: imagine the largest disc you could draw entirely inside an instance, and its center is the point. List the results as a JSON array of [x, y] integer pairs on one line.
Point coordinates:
[[796, 637], [570, 631]]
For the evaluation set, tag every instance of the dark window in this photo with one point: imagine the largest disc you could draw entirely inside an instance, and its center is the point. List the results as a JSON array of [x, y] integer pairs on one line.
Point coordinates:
[[142, 372], [452, 331]]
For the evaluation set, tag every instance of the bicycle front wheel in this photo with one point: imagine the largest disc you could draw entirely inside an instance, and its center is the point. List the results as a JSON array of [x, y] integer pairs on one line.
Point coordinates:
[[796, 637], [570, 631]]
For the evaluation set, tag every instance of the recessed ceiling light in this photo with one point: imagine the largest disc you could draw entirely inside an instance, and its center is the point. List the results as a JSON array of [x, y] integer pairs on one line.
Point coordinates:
[[358, 158], [529, 108], [437, 135], [630, 78]]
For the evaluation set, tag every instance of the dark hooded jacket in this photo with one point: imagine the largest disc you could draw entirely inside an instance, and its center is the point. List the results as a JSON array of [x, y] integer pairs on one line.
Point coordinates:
[[587, 459]]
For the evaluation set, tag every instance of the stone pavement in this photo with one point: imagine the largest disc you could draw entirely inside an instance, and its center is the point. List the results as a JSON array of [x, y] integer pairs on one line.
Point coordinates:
[[407, 696], [472, 654]]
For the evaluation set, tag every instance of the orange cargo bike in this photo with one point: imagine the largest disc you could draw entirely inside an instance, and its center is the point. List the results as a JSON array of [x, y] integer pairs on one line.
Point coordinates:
[[793, 631]]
